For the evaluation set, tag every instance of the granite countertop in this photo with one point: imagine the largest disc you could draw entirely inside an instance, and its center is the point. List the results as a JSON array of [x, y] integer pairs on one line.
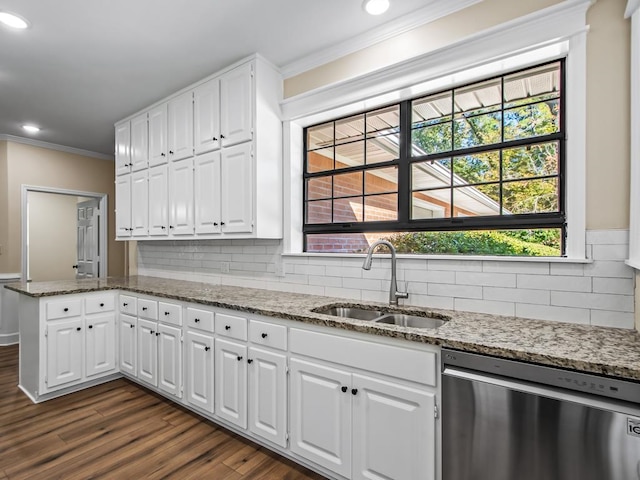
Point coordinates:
[[601, 350]]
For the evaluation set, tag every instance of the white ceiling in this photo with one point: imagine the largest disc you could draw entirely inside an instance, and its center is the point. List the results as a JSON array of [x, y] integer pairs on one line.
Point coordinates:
[[84, 64]]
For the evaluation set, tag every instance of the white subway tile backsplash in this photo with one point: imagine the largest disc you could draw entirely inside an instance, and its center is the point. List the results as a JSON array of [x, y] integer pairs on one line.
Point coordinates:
[[594, 301], [554, 282], [485, 306], [604, 318], [462, 291], [557, 314], [599, 292], [606, 268], [486, 279], [618, 286], [607, 237], [517, 295]]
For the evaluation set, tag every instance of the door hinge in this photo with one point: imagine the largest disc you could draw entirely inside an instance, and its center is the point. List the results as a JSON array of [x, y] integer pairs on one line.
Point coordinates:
[[436, 413], [286, 439], [286, 369], [46, 332]]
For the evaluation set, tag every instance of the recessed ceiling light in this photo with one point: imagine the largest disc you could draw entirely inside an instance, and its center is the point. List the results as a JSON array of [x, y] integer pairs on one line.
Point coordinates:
[[31, 128], [12, 20], [375, 7]]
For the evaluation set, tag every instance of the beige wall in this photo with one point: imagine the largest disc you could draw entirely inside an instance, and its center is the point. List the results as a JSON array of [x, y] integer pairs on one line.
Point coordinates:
[[52, 236], [29, 165]]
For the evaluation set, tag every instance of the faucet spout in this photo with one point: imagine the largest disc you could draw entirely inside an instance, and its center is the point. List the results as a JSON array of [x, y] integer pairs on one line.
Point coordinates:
[[394, 294]]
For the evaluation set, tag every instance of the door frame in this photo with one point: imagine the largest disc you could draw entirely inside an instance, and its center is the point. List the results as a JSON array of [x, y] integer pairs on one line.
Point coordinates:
[[102, 238]]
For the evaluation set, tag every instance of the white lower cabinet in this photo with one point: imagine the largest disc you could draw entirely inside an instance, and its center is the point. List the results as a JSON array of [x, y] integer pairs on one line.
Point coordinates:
[[170, 359], [64, 352], [230, 380], [199, 370], [147, 352], [268, 395], [128, 344], [100, 342]]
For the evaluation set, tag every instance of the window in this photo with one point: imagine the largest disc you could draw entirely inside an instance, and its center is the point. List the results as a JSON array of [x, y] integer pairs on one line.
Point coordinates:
[[486, 159]]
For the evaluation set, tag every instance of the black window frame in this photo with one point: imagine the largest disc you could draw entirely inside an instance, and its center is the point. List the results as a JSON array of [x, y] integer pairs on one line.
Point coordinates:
[[405, 160]]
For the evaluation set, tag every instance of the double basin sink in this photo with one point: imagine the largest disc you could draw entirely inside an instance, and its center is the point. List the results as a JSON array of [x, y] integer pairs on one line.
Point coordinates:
[[381, 317]]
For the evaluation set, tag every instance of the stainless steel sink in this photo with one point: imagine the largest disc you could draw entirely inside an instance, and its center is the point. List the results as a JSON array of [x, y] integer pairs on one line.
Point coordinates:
[[351, 312], [410, 321], [379, 316]]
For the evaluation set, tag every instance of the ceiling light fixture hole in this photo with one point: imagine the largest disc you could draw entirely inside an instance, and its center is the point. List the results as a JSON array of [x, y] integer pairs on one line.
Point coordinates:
[[31, 128]]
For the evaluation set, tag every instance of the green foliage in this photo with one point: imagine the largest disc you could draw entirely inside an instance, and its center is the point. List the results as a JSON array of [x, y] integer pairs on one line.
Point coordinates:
[[471, 243]]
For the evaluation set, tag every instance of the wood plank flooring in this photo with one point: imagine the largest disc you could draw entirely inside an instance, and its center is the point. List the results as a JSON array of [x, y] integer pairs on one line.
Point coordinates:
[[121, 431]]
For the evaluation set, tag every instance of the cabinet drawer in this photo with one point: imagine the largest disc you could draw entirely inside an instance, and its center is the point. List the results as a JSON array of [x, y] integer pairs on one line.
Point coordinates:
[[128, 304], [268, 334], [409, 364], [63, 309], [147, 309], [201, 319], [99, 303], [170, 313], [231, 326]]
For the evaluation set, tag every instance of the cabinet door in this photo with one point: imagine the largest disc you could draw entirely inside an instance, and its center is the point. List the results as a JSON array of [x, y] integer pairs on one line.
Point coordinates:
[[139, 142], [237, 189], [268, 395], [139, 204], [123, 148], [170, 360], [100, 344], [128, 344], [158, 135], [207, 193], [231, 382], [159, 201], [148, 352], [321, 415], [393, 430], [236, 105], [181, 197], [123, 206], [64, 352], [206, 104], [180, 126], [199, 370]]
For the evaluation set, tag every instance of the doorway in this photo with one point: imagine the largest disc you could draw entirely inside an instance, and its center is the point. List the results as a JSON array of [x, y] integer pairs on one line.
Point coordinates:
[[64, 234]]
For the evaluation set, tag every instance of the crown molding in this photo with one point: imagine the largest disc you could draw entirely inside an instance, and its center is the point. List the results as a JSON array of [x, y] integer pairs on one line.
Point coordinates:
[[434, 10], [632, 6], [54, 146]]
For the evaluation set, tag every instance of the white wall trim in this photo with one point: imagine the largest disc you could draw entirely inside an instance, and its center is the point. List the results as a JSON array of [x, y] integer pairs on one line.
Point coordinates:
[[104, 214], [431, 12], [634, 192], [55, 146], [527, 33], [550, 33]]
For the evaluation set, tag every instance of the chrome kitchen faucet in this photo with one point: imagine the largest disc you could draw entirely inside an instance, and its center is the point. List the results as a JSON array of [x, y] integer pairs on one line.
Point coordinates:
[[394, 294]]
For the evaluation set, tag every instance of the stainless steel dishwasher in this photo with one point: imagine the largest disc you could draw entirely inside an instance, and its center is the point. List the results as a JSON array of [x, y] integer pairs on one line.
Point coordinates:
[[510, 420]]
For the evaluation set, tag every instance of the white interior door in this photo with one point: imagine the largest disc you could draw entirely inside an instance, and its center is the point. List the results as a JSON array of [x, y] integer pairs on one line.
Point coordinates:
[[87, 265]]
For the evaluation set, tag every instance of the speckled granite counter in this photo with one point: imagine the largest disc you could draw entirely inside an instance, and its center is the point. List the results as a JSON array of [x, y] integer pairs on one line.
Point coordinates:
[[607, 351]]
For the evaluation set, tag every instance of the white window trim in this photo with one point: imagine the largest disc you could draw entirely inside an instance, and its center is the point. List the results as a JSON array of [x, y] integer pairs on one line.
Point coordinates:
[[633, 12], [548, 34]]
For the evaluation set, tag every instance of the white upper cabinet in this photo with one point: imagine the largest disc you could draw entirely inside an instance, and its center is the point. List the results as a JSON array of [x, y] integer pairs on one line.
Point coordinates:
[[181, 197], [206, 114], [158, 135], [139, 142], [139, 204], [180, 126], [230, 122], [207, 193], [236, 90], [123, 206], [159, 201], [123, 148], [237, 189]]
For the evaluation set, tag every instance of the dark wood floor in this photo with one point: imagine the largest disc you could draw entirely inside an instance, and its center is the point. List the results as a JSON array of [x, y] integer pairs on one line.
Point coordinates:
[[121, 431]]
